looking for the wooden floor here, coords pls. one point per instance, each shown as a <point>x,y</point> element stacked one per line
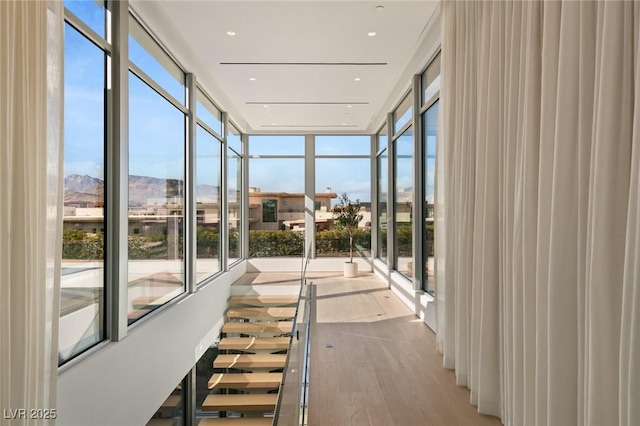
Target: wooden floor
<point>383,368</point>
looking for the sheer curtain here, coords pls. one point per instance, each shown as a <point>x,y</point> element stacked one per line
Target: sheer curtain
<point>539,289</point>
<point>31,194</point>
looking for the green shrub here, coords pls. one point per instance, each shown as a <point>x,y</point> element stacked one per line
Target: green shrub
<point>275,243</point>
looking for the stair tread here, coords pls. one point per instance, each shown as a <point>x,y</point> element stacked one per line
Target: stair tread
<point>254,343</point>
<point>239,421</point>
<point>278,327</point>
<point>245,380</point>
<point>267,312</point>
<point>250,361</point>
<point>241,402</point>
<point>272,300</point>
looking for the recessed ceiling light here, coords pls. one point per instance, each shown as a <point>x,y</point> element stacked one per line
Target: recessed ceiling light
<point>349,106</point>
<point>357,79</point>
<point>252,78</point>
<point>371,33</point>
<point>344,124</point>
<point>231,33</point>
<point>273,124</point>
<point>266,106</point>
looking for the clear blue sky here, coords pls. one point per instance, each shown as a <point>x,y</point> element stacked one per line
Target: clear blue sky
<point>157,128</point>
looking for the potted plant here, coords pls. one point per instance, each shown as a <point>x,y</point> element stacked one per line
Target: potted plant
<point>347,216</point>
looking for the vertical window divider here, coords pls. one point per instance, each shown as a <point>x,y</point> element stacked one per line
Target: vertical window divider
<point>310,195</point>
<point>418,191</point>
<point>189,209</point>
<point>223,196</point>
<point>391,197</point>
<point>244,216</point>
<point>117,179</point>
<point>374,196</point>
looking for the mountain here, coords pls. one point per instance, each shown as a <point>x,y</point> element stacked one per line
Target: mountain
<point>89,191</point>
<point>83,190</point>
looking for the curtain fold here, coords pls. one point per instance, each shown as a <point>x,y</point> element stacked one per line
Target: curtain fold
<point>31,193</point>
<point>538,301</point>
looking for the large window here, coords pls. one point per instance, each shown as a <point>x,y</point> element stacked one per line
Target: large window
<point>208,183</point>
<point>234,193</point>
<point>403,209</point>
<point>276,196</point>
<point>430,83</point>
<point>82,293</point>
<point>403,113</point>
<point>343,166</point>
<point>156,177</point>
<point>382,159</point>
<point>430,127</point>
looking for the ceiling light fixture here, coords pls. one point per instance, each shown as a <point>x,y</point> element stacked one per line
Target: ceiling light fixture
<point>252,78</point>
<point>231,33</point>
<point>266,106</point>
<point>371,33</point>
<point>349,106</point>
<point>356,79</point>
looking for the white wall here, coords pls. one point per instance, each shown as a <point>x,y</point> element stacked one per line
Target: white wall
<point>123,383</point>
<point>420,302</point>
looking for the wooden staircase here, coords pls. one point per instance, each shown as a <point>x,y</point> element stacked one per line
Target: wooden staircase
<point>249,368</point>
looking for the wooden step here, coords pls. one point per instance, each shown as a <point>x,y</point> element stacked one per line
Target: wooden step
<point>245,381</point>
<point>258,328</point>
<point>237,421</point>
<point>252,361</point>
<point>262,313</point>
<point>241,402</point>
<point>254,343</point>
<point>263,300</point>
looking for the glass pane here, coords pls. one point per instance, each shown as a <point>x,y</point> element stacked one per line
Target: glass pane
<point>382,139</point>
<point>334,177</point>
<point>171,412</point>
<point>431,79</point>
<point>234,188</point>
<point>285,235</point>
<point>383,179</point>
<point>276,145</point>
<point>430,126</point>
<point>403,114</point>
<point>82,302</point>
<point>204,371</point>
<point>150,58</point>
<point>208,113</point>
<point>234,139</point>
<point>90,12</point>
<point>343,145</point>
<point>404,203</point>
<point>208,184</point>
<point>156,199</point>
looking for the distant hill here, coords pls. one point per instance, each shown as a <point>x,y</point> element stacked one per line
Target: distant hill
<point>88,190</point>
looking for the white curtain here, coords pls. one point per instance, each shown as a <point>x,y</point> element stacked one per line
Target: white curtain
<point>538,292</point>
<point>30,210</point>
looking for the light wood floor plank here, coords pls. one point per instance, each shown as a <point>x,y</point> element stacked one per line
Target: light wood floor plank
<point>383,368</point>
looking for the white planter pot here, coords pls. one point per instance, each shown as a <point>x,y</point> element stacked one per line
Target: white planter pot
<point>350,269</point>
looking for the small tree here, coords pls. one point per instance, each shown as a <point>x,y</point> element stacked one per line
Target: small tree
<point>347,216</point>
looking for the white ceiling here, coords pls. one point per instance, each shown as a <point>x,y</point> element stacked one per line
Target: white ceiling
<point>304,56</point>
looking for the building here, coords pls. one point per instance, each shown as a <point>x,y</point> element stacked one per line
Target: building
<point>528,171</point>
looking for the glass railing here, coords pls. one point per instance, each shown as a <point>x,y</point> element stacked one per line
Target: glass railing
<point>292,406</point>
